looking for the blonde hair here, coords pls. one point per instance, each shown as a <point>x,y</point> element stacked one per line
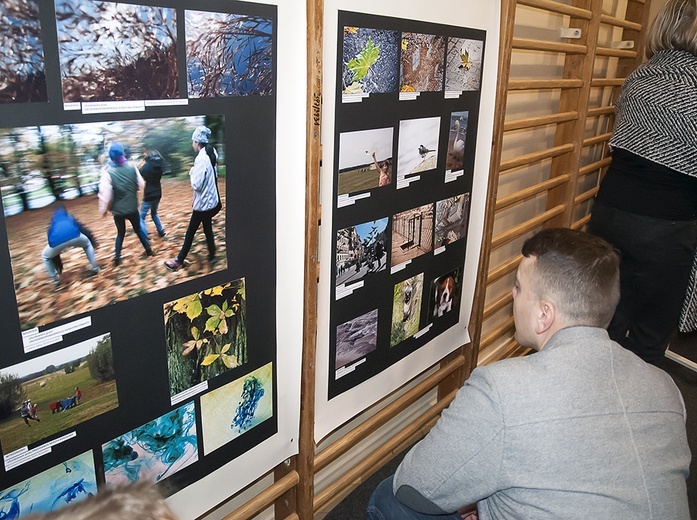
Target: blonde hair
<point>675,27</point>
<point>140,501</point>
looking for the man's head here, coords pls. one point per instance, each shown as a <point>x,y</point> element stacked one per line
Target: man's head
<point>566,278</point>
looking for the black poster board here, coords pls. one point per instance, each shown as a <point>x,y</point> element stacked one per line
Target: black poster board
<point>55,148</point>
<point>406,121</point>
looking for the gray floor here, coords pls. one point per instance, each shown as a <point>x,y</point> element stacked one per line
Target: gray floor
<point>353,506</point>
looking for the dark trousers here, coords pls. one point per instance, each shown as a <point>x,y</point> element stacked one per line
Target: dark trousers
<point>120,221</point>
<point>198,218</point>
<point>656,258</point>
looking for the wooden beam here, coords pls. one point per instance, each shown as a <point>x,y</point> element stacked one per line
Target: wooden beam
<point>548,46</point>
<point>313,158</point>
<point>366,467</point>
<point>529,193</point>
<point>531,158</point>
<point>557,7</point>
<point>533,122</point>
<point>525,227</point>
<point>504,269</point>
<point>543,84</point>
<point>264,499</point>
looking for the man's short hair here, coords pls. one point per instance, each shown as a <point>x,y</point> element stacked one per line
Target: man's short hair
<point>576,271</point>
<point>140,501</point>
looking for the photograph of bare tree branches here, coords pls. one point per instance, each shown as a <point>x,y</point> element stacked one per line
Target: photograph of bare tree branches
<point>228,54</point>
<point>116,52</point>
<point>22,77</point>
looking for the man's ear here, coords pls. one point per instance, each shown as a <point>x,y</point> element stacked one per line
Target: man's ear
<point>547,314</point>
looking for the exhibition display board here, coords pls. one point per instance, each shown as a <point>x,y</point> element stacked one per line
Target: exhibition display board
<point>408,104</point>
<point>115,367</point>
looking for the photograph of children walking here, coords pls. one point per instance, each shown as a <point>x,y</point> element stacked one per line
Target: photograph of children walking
<point>94,210</point>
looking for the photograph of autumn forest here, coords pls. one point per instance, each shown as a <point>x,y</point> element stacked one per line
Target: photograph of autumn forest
<point>45,169</point>
<point>116,52</point>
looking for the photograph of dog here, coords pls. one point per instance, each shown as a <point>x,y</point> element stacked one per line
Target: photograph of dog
<point>445,294</point>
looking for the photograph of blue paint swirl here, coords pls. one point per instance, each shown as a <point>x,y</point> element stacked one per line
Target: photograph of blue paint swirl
<point>153,451</point>
<point>236,408</point>
<point>65,483</point>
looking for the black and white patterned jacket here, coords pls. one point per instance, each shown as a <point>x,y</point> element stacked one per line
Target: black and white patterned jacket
<point>656,111</point>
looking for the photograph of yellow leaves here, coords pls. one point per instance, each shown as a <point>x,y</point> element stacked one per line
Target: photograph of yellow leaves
<point>206,334</point>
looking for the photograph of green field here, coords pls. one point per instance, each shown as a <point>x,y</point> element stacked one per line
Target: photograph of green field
<point>365,160</point>
<point>55,392</point>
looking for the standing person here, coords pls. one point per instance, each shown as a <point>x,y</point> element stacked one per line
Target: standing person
<point>151,169</point>
<point>78,395</point>
<point>379,251</point>
<point>63,232</point>
<point>206,205</point>
<point>647,203</point>
<point>384,168</point>
<point>582,428</point>
<point>118,192</point>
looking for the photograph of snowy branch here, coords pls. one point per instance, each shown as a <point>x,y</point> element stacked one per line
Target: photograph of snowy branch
<point>22,75</point>
<point>228,54</point>
<point>116,52</point>
<point>53,169</point>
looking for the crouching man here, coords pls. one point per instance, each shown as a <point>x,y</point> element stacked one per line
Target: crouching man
<point>580,429</point>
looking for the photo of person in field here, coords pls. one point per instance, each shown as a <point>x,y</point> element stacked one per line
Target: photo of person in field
<point>365,160</point>
<point>66,256</point>
<point>54,392</point>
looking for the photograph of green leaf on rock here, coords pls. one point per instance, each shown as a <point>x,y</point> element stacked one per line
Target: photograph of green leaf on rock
<point>371,61</point>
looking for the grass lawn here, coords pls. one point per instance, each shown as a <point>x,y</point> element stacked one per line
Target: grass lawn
<point>97,398</point>
<point>358,180</point>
